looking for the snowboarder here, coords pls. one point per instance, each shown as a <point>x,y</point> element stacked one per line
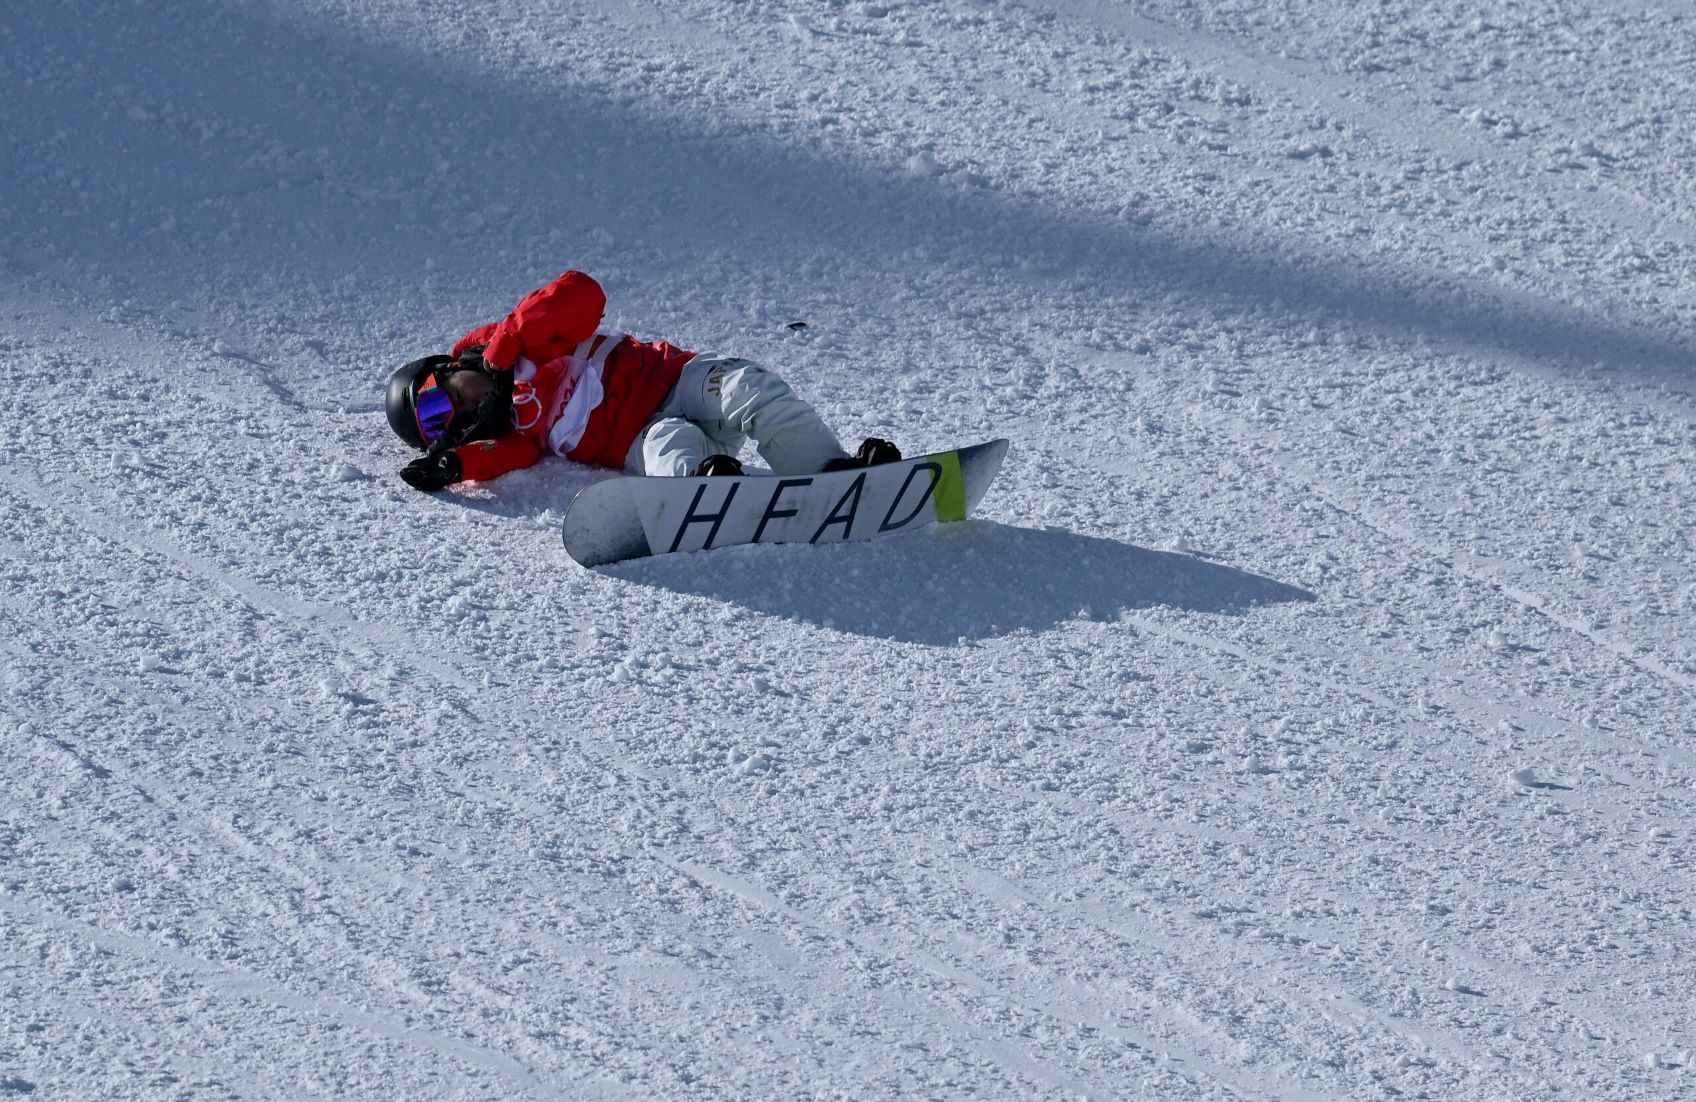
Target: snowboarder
<point>546,380</point>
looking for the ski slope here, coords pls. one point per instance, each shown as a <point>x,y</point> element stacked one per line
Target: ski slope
<point>1308,713</point>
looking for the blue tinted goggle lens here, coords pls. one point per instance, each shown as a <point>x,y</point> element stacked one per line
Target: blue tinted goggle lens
<point>434,410</point>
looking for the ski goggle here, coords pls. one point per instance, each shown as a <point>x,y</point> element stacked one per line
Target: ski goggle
<point>433,409</point>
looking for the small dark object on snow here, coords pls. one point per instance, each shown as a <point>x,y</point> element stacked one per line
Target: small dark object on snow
<point>797,325</point>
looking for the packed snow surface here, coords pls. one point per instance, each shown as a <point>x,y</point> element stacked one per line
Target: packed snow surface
<point>1309,712</point>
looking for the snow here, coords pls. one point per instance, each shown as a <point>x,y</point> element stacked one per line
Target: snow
<point>1307,712</point>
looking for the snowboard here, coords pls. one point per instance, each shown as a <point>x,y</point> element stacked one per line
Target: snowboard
<point>634,516</point>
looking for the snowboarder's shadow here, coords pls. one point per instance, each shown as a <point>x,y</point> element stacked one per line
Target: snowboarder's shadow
<point>971,580</point>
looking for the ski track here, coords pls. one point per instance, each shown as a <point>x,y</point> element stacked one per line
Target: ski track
<point>1372,782</point>
<point>337,631</point>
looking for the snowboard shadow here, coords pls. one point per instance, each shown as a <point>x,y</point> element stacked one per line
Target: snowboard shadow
<point>972,580</point>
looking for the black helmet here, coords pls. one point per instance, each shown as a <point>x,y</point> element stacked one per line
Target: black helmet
<point>402,400</point>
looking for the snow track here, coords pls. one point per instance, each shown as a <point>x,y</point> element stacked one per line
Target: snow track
<point>1307,715</point>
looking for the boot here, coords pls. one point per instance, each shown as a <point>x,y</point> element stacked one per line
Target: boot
<point>873,452</point>
<point>719,465</point>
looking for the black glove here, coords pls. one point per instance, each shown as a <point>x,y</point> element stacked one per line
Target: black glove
<point>433,472</point>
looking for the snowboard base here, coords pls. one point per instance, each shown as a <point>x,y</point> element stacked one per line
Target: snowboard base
<point>634,516</point>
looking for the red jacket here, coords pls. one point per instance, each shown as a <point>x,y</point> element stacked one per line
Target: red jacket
<point>550,343</point>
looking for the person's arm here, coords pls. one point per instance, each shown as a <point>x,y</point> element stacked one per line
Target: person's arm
<point>474,462</point>
<point>551,322</point>
<point>486,459</point>
<point>477,338</point>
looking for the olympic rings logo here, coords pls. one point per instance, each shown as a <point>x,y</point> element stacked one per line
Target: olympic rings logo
<point>526,407</point>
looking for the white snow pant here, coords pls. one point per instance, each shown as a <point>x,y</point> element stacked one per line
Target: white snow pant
<point>718,404</point>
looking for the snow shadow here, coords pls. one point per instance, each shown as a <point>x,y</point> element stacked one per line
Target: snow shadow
<point>240,152</point>
<point>972,580</point>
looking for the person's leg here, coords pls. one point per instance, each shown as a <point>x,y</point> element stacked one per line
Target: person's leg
<point>732,398</point>
<point>669,446</point>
